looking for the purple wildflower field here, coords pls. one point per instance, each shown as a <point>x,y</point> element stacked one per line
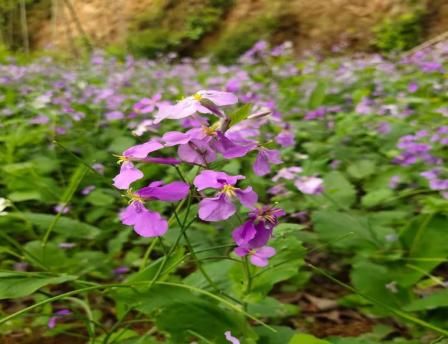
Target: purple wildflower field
<point>273,200</point>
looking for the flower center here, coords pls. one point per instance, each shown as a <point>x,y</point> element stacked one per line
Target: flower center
<point>209,131</point>
<point>197,96</point>
<point>229,190</point>
<point>121,159</point>
<point>133,197</point>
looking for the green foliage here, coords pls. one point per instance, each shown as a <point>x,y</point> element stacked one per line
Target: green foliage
<point>15,285</point>
<point>232,43</point>
<point>152,32</point>
<point>373,242</point>
<point>399,34</point>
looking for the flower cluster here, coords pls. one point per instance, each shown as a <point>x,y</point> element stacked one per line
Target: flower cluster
<point>310,185</point>
<point>210,135</point>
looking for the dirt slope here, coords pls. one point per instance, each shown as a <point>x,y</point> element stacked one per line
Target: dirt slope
<point>308,23</point>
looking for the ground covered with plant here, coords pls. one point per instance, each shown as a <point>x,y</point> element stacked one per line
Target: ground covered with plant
<point>273,200</point>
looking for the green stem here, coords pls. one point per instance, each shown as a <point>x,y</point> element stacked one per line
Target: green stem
<point>248,279</point>
<point>194,256</point>
<point>146,255</point>
<point>89,315</point>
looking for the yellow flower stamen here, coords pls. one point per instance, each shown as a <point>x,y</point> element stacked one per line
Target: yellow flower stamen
<point>121,158</point>
<point>209,131</point>
<point>197,96</point>
<point>229,190</point>
<point>133,197</point>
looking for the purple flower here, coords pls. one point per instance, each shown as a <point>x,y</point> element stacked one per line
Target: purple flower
<point>128,172</point>
<point>62,208</point>
<point>231,338</point>
<point>147,105</point>
<point>204,101</point>
<point>288,173</point>
<point>412,87</point>
<point>229,148</point>
<point>121,270</point>
<point>258,256</point>
<point>394,182</point>
<point>98,167</point>
<point>264,158</point>
<point>257,231</point>
<point>114,115</point>
<point>383,128</point>
<point>41,119</point>
<point>199,145</point>
<point>149,223</point>
<point>57,316</point>
<point>221,207</point>
<point>285,139</point>
<point>309,185</point>
<point>88,189</point>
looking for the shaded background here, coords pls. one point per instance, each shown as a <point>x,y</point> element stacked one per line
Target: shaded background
<point>222,28</point>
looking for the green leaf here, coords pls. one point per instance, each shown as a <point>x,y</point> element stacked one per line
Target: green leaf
<point>361,169</point>
<point>302,338</point>
<point>436,300</point>
<point>333,225</point>
<point>14,285</point>
<point>100,198</point>
<point>379,283</point>
<point>426,249</point>
<point>317,97</point>
<point>339,188</point>
<point>66,226</point>
<point>377,197</point>
<point>272,308</point>
<point>240,115</point>
<point>28,195</point>
<point>204,318</point>
<point>266,336</point>
<point>283,266</point>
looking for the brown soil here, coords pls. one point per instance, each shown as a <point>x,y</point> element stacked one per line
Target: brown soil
<point>310,24</point>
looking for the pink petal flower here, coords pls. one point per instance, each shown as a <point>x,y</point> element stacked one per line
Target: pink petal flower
<point>141,151</point>
<point>247,196</point>
<point>128,174</point>
<point>170,192</point>
<point>146,223</point>
<point>214,180</point>
<point>215,209</point>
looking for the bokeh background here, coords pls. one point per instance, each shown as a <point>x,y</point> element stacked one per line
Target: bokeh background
<point>222,28</point>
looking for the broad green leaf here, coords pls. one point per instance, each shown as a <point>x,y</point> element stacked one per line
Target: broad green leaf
<point>379,283</point>
<point>266,336</point>
<point>202,317</point>
<point>425,246</point>
<point>332,225</point>
<point>361,169</point>
<point>65,226</point>
<point>272,308</point>
<point>376,198</point>
<point>283,266</point>
<point>433,301</point>
<point>14,285</point>
<point>339,188</point>
<point>303,338</point>
<point>100,198</point>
